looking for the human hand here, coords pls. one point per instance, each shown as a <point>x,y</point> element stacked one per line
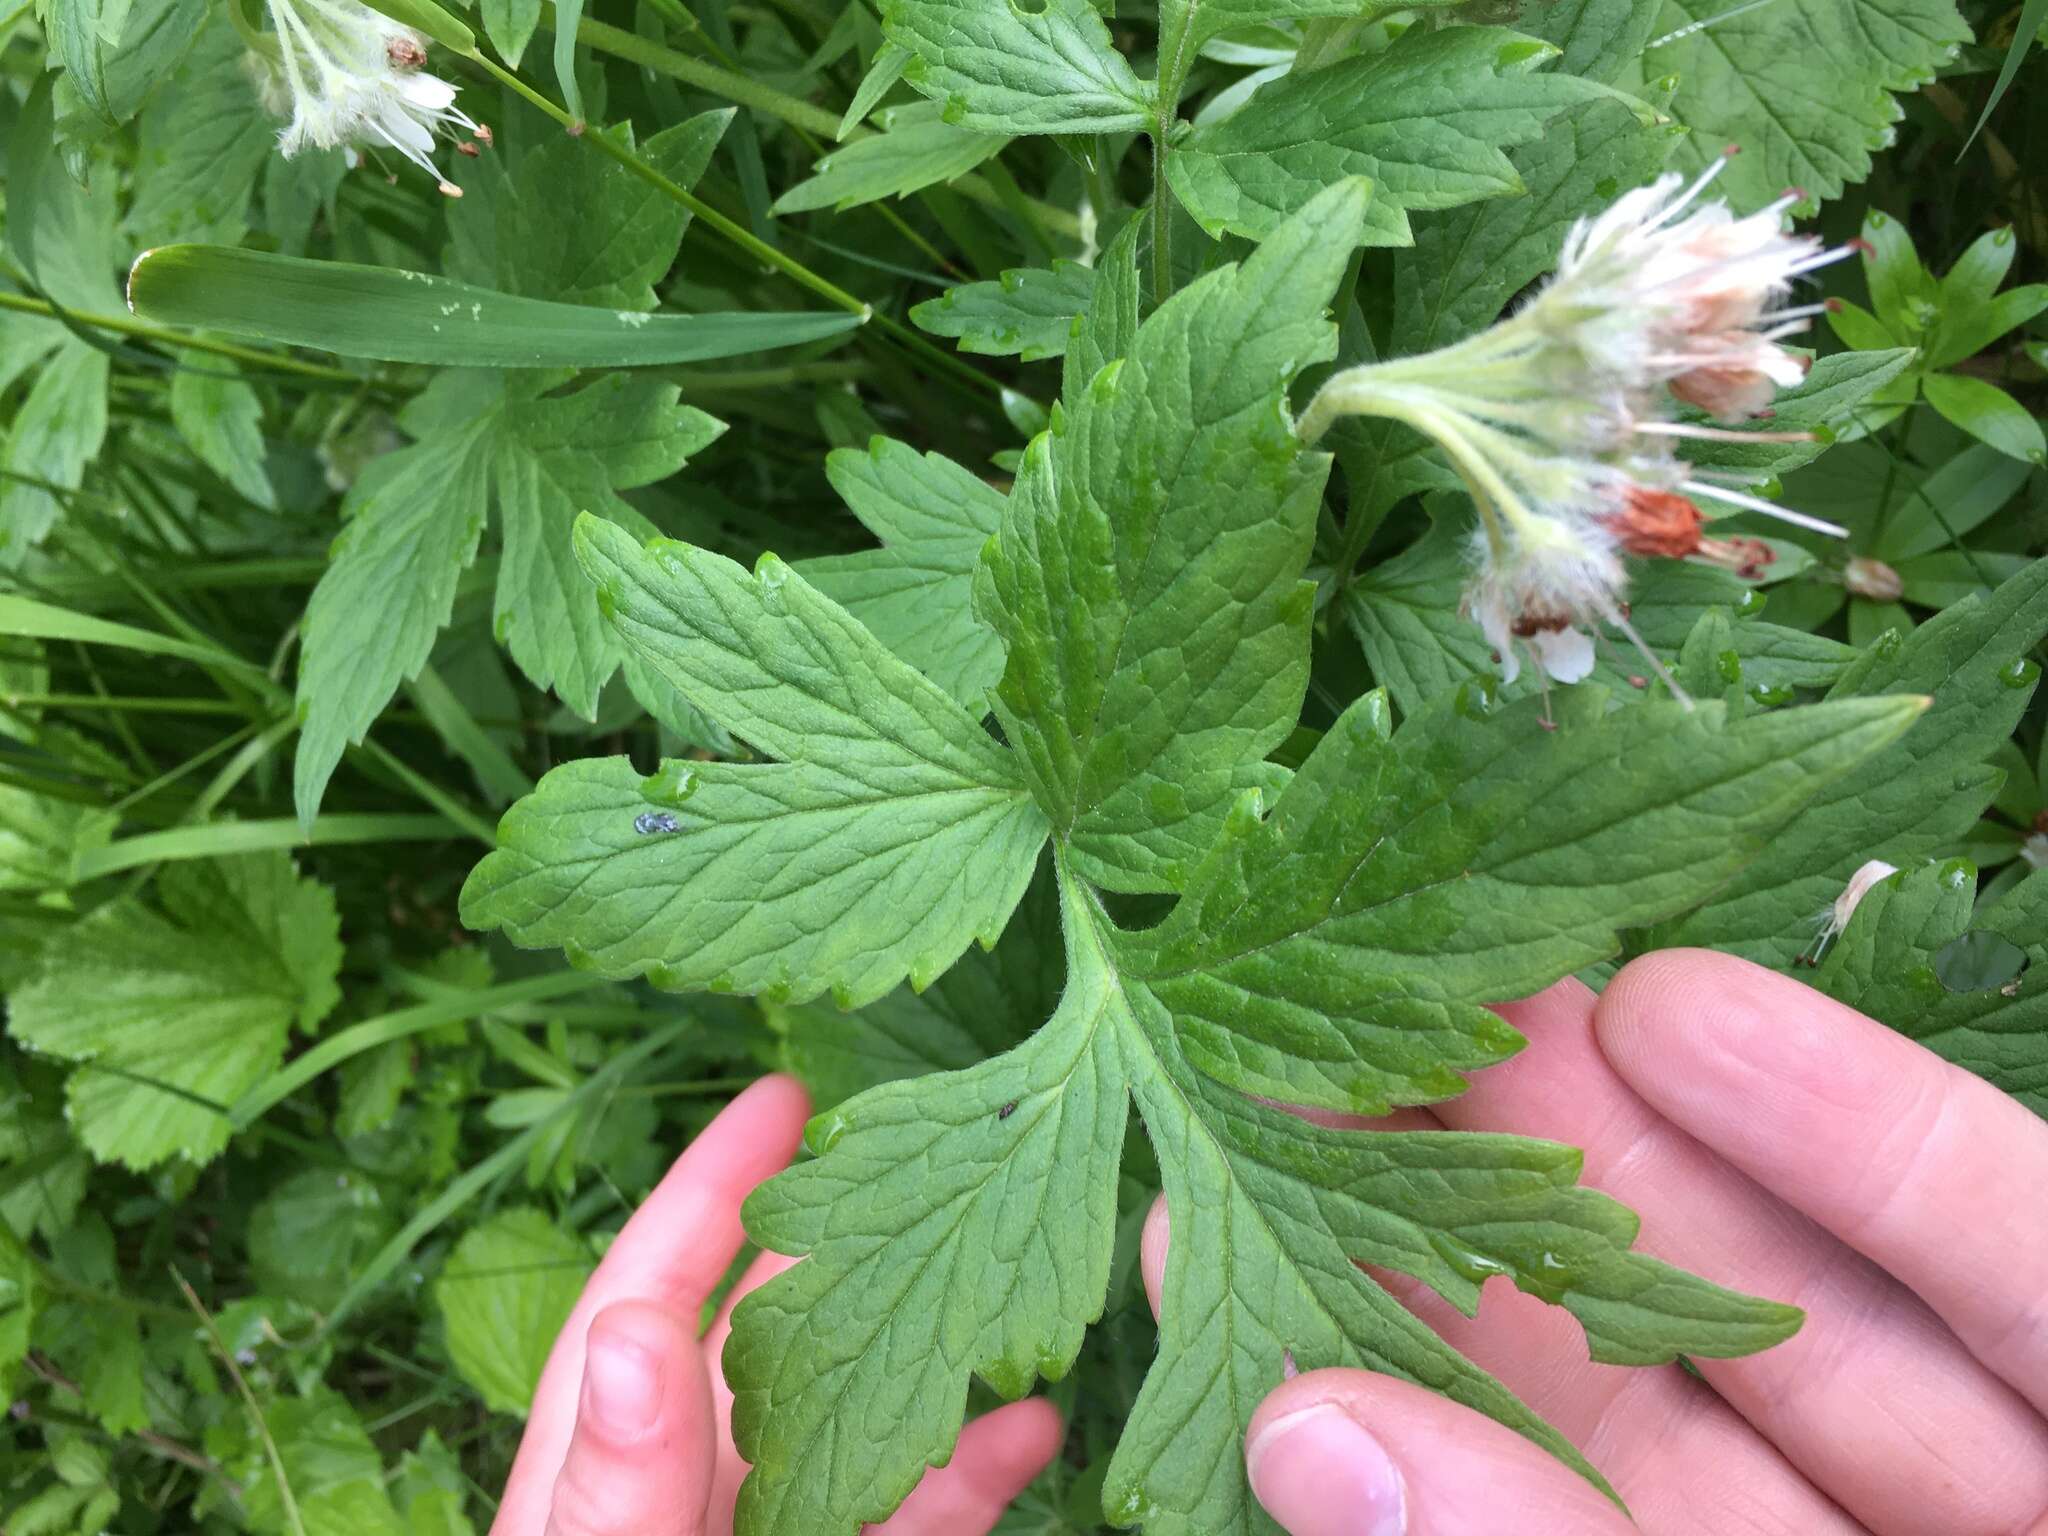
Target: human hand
<point>631,1428</point>
<point>1786,1146</point>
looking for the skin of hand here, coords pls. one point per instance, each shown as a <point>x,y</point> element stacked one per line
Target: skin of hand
<point>1781,1144</point>
<point>631,1428</point>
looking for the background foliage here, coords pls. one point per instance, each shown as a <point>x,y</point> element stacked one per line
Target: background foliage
<point>298,1172</point>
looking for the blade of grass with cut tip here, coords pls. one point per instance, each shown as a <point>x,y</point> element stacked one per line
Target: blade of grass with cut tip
<point>414,317</point>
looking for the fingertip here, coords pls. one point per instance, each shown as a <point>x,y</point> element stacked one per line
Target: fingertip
<point>776,1104</point>
<point>1013,1444</point>
<point>1152,1242</point>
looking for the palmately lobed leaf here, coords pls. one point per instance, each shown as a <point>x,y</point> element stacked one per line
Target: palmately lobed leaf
<point>1393,868</point>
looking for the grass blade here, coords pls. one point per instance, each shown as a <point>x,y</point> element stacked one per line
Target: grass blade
<point>414,317</point>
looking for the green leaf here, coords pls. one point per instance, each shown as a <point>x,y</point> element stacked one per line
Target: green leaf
<point>99,1346</point>
<point>17,1306</point>
<point>415,317</point>
<point>510,24</point>
<point>504,1294</point>
<point>84,36</point>
<point>1185,25</point>
<point>41,839</point>
<point>56,433</point>
<point>42,1173</point>
<point>894,830</point>
<point>309,1236</point>
<point>221,420</point>
<point>1963,333</point>
<point>1916,799</point>
<point>414,519</point>
<point>1428,121</point>
<point>1828,402</point>
<point>172,1012</point>
<point>1804,86</point>
<point>954,1223</point>
<point>1888,964</point>
<point>1155,660</point>
<point>915,593</point>
<point>203,139</point>
<point>2033,15</point>
<point>989,1001</point>
<point>1029,314</point>
<point>888,66</point>
<point>62,233</point>
<point>333,1470</point>
<point>916,148</point>
<point>999,68</point>
<point>962,1223</point>
<point>1988,414</point>
<point>568,16</point>
<point>1598,36</point>
<point>1292,967</point>
<point>584,230</point>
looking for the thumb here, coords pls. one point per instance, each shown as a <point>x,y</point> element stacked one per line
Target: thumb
<point>639,1461</point>
<point>1352,1453</point>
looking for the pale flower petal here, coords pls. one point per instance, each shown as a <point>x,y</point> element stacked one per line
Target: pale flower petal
<point>1566,655</point>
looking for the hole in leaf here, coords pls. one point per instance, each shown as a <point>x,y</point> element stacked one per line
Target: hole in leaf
<point>1978,962</point>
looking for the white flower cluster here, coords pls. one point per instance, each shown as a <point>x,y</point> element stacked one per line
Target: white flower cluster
<point>348,77</point>
<point>1558,418</point>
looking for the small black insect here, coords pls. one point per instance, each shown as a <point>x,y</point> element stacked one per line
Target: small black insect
<point>1007,1110</point>
<point>649,822</point>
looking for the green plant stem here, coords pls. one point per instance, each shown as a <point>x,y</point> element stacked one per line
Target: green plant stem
<point>137,705</point>
<point>285,1497</point>
<point>235,837</point>
<point>1162,221</point>
<point>128,325</point>
<point>745,238</point>
<point>739,89</point>
<point>487,1172</point>
<point>399,1025</point>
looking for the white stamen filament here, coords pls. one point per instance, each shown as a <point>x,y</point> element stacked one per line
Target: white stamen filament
<point>1768,508</point>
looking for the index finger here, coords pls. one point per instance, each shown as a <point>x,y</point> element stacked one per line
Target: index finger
<point>1927,1170</point>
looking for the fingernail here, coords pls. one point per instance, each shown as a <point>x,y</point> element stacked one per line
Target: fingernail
<point>1319,1473</point>
<point>622,1387</point>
